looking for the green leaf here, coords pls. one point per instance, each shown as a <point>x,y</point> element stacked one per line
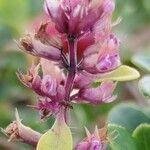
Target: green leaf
<point>57,138</point>
<point>144,86</point>
<point>8,80</point>
<point>142,60</point>
<point>35,7</point>
<point>6,114</point>
<point>142,136</point>
<point>122,73</point>
<point>128,116</point>
<point>120,139</point>
<point>146,5</point>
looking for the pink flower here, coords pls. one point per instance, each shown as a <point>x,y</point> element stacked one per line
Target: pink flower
<point>77,17</point>
<point>101,58</point>
<point>47,107</point>
<point>46,86</point>
<point>83,79</point>
<point>52,68</point>
<point>97,95</point>
<point>76,46</point>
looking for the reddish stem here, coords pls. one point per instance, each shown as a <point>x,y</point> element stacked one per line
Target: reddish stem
<point>71,73</point>
<point>72,69</point>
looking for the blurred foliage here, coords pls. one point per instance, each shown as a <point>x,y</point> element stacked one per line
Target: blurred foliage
<point>135,13</point>
<point>142,61</point>
<point>144,86</point>
<point>16,16</point>
<point>128,116</point>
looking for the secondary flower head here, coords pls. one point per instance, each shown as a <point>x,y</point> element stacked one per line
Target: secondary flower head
<point>92,142</point>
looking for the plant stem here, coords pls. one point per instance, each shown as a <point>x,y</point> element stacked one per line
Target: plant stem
<point>72,69</point>
<point>71,72</point>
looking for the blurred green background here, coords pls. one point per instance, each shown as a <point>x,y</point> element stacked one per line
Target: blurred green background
<point>20,16</point>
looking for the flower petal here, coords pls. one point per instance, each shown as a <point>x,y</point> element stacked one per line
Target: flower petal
<point>101,94</point>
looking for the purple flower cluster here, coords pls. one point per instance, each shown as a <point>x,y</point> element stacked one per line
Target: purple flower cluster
<point>76,46</point>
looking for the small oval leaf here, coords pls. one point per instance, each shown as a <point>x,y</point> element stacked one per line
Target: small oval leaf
<point>144,86</point>
<point>122,73</point>
<point>120,139</point>
<point>142,136</point>
<point>59,137</point>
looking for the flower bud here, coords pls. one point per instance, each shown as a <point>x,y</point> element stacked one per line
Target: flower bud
<point>31,79</point>
<point>17,130</point>
<point>49,85</point>
<point>48,35</point>
<point>34,47</point>
<point>77,17</point>
<point>92,142</point>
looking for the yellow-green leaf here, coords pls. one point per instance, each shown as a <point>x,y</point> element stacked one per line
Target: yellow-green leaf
<point>59,137</point>
<point>122,73</point>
